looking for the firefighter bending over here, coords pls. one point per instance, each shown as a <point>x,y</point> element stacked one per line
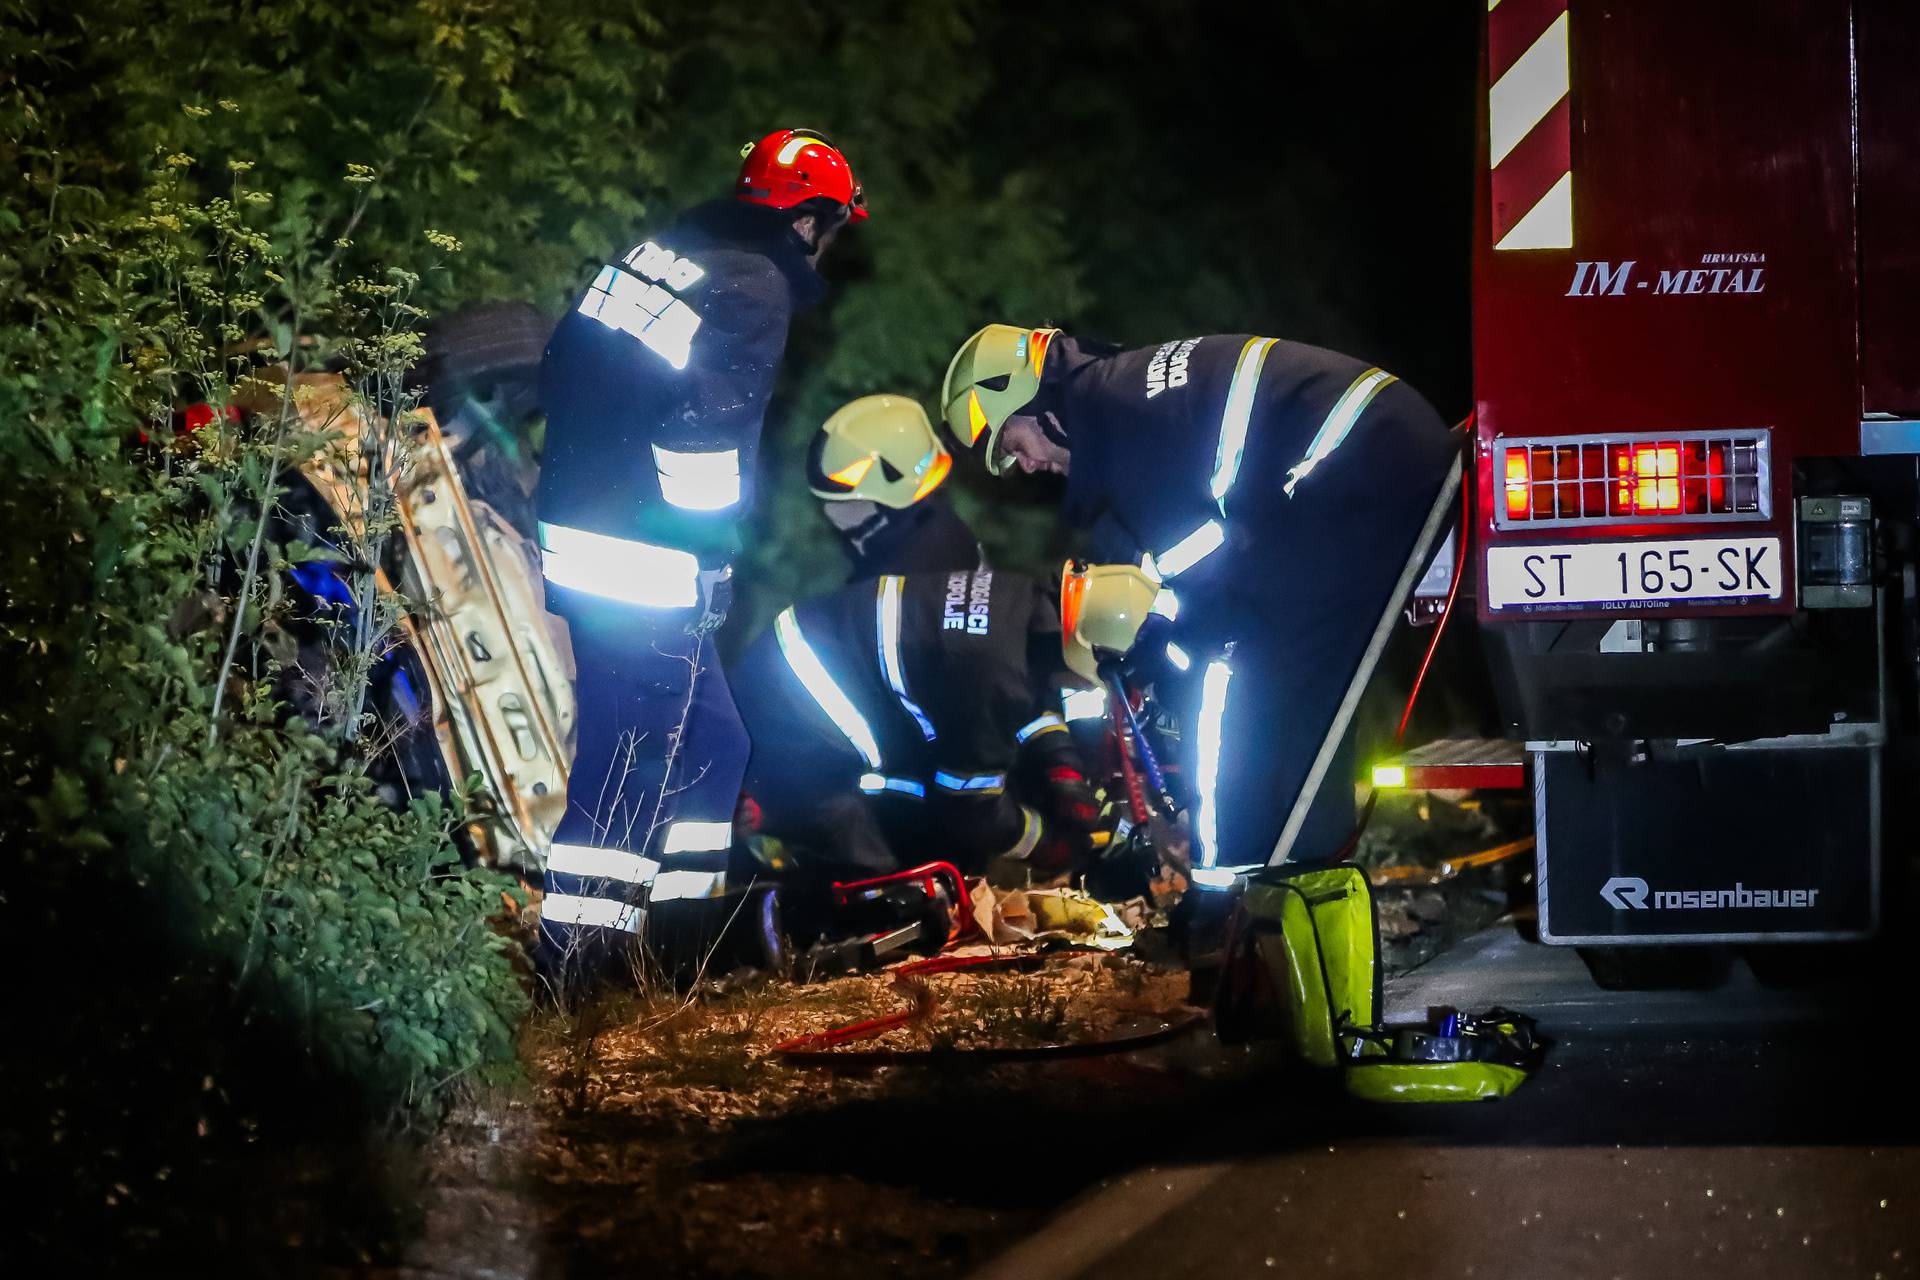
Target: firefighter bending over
<point>909,719</point>
<point>876,466</point>
<point>1273,493</point>
<point>654,385</point>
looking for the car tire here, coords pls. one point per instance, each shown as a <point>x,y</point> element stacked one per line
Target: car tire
<point>485,358</point>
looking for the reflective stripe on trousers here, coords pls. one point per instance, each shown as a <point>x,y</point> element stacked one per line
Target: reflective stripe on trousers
<point>1206,750</point>
<point>697,837</point>
<point>1339,422</point>
<point>625,570</point>
<point>1045,722</point>
<point>573,911</point>
<point>590,862</point>
<point>1083,704</point>
<point>874,783</point>
<point>1235,417</point>
<point>674,886</point>
<point>970,783</point>
<point>1030,827</point>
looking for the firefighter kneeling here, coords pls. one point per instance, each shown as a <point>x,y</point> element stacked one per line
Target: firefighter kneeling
<point>908,720</point>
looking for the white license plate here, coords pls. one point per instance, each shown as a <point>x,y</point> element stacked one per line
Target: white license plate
<point>1625,572</point>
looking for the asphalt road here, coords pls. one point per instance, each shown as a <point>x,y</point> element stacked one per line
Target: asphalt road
<point>1748,1132</point>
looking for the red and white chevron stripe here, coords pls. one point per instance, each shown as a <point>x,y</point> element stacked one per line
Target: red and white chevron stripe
<point>1529,124</point>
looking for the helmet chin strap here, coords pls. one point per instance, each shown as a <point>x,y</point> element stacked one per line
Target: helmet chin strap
<point>1050,428</point>
<point>849,514</point>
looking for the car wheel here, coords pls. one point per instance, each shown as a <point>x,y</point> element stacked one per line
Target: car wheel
<point>482,367</point>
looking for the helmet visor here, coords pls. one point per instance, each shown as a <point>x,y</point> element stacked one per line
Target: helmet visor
<point>936,472</point>
<point>1073,595</point>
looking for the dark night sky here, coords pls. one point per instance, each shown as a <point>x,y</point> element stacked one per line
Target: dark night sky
<point>1304,170</point>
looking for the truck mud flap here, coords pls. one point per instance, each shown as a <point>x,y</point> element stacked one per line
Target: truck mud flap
<point>1756,845</point>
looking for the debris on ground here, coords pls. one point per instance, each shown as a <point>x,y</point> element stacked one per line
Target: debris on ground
<point>972,999</point>
<point>1069,915</point>
<point>1443,865</point>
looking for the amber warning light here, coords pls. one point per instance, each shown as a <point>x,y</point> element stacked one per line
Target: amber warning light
<point>1608,481</point>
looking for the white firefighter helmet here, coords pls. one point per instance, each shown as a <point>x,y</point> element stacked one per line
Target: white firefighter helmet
<point>880,448</point>
<point>1102,607</point>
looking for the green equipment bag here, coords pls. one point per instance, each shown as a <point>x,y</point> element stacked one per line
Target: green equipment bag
<point>1309,938</point>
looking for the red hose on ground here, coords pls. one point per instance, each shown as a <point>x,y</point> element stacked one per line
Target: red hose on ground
<point>817,1049</point>
<point>873,1027</point>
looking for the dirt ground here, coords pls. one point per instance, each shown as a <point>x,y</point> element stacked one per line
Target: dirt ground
<point>663,1136</point>
<point>660,1134</point>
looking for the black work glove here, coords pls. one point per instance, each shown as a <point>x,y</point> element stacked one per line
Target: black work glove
<point>1147,660</point>
<point>716,597</point>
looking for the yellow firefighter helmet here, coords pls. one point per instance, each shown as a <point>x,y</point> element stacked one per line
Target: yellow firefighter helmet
<point>1101,609</point>
<point>880,448</point>
<point>995,373</point>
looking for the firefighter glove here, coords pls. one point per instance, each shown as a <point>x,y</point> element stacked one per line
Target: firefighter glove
<point>1071,801</point>
<point>716,596</point>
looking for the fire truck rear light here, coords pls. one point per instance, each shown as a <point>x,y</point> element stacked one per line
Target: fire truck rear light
<point>1656,479</point>
<point>1519,499</point>
<point>1621,479</point>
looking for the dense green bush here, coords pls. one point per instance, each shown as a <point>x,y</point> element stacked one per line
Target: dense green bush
<point>302,148</point>
<point>141,756</point>
<point>519,127</point>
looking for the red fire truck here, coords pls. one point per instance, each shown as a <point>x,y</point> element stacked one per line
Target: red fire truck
<point>1696,469</point>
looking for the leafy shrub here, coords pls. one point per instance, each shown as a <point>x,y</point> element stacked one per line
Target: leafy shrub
<point>146,744</point>
<point>520,127</point>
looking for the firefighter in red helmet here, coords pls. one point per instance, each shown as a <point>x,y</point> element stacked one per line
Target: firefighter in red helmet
<point>654,386</point>
<point>798,169</point>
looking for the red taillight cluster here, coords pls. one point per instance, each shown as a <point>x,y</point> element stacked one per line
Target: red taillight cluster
<point>1631,479</point>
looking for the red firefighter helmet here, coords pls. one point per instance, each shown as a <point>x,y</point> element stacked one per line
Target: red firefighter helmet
<point>791,166</point>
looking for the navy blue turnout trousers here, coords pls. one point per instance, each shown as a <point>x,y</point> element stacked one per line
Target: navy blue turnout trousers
<point>655,779</point>
<point>654,386</point>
